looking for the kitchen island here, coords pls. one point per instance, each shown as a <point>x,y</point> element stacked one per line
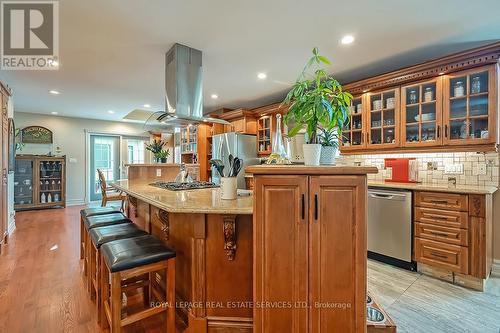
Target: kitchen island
<point>213,241</point>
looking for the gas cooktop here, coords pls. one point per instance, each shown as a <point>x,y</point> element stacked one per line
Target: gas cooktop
<point>173,186</point>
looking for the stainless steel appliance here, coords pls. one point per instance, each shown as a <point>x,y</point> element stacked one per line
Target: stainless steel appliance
<point>390,226</point>
<point>243,146</point>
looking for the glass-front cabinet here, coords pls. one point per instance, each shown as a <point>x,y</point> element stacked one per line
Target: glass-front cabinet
<point>264,128</point>
<point>353,134</point>
<point>421,113</point>
<point>39,182</point>
<point>470,106</point>
<point>383,119</point>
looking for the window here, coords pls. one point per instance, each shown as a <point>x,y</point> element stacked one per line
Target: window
<point>135,149</point>
<point>102,155</point>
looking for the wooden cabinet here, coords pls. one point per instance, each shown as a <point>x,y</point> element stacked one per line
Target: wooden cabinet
<point>470,106</point>
<point>421,112</point>
<point>383,119</point>
<point>189,144</point>
<point>264,134</point>
<point>451,233</point>
<point>39,182</point>
<point>309,252</point>
<point>241,121</point>
<point>4,164</point>
<point>354,133</point>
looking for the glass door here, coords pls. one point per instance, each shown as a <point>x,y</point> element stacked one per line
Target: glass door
<point>470,106</point>
<point>23,182</point>
<point>105,156</point>
<point>421,114</point>
<point>353,135</point>
<point>51,181</point>
<point>383,119</point>
<point>264,125</point>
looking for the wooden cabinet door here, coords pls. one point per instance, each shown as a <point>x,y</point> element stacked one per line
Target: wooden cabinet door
<point>421,114</point>
<point>280,279</point>
<point>337,274</point>
<point>354,135</point>
<point>383,119</point>
<point>470,106</point>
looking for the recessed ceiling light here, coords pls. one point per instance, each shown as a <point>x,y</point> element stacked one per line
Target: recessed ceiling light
<point>214,96</point>
<point>347,39</point>
<point>262,76</point>
<point>111,111</point>
<point>54,112</point>
<point>54,92</point>
<point>147,105</point>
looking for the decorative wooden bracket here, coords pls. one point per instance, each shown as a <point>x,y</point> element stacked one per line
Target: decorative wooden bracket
<point>229,227</point>
<point>133,202</point>
<point>165,225</point>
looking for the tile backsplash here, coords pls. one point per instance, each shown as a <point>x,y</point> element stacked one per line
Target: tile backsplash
<point>471,162</point>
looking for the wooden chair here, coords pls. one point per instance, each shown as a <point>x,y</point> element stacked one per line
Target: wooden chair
<point>109,193</point>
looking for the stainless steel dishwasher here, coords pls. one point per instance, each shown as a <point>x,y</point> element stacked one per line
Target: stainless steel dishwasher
<point>390,231</point>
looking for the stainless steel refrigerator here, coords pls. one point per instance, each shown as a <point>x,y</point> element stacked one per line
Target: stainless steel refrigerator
<point>243,146</point>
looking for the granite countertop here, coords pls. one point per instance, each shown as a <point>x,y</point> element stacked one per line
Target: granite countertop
<point>158,165</point>
<point>465,189</point>
<point>204,201</point>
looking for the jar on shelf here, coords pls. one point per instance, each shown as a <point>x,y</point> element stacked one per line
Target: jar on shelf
<point>475,87</point>
<point>428,95</point>
<point>459,89</point>
<point>413,96</point>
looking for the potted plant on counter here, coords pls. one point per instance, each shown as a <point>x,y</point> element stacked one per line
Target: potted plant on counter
<point>162,155</point>
<point>156,147</point>
<point>329,145</point>
<point>316,99</point>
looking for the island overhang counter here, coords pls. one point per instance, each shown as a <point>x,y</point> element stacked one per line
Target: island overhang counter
<point>213,241</point>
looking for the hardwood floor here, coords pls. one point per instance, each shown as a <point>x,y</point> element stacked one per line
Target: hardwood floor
<point>421,304</point>
<point>42,289</point>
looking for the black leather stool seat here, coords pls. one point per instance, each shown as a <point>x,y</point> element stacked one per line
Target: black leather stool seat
<point>105,220</point>
<point>110,233</point>
<point>98,211</point>
<point>134,252</point>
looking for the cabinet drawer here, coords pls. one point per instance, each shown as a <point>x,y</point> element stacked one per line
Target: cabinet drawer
<point>445,218</point>
<point>442,255</point>
<point>443,234</point>
<point>449,201</point>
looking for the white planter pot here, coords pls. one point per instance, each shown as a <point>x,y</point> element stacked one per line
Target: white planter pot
<point>312,154</point>
<point>328,155</point>
<point>228,188</point>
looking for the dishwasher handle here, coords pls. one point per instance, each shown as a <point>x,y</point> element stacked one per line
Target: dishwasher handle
<point>387,196</point>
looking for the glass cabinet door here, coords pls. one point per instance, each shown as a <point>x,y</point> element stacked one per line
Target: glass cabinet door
<point>264,135</point>
<point>469,105</point>
<point>51,181</point>
<point>383,118</point>
<point>23,182</point>
<point>353,135</point>
<point>421,113</point>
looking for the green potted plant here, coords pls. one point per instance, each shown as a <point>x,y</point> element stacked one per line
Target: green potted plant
<point>329,144</point>
<point>316,100</point>
<point>155,147</point>
<point>163,155</point>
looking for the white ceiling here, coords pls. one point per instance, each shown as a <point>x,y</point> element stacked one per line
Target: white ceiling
<point>112,52</point>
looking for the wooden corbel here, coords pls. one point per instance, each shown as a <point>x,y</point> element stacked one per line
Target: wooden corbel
<point>229,228</point>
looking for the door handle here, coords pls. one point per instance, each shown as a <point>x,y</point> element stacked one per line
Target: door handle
<point>439,131</point>
<point>446,131</point>
<point>316,207</point>
<point>438,255</point>
<point>303,207</point>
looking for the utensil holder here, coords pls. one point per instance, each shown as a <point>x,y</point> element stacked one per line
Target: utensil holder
<point>228,188</point>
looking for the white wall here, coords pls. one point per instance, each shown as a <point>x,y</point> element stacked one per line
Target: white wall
<point>70,135</point>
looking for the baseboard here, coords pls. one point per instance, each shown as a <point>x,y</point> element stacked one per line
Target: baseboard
<point>495,269</point>
<point>75,202</point>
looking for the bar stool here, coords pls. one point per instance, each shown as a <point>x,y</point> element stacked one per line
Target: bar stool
<point>97,221</point>
<point>128,258</point>
<point>98,237</point>
<point>87,212</point>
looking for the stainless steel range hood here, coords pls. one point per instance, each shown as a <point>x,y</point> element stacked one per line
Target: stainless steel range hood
<point>183,90</point>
